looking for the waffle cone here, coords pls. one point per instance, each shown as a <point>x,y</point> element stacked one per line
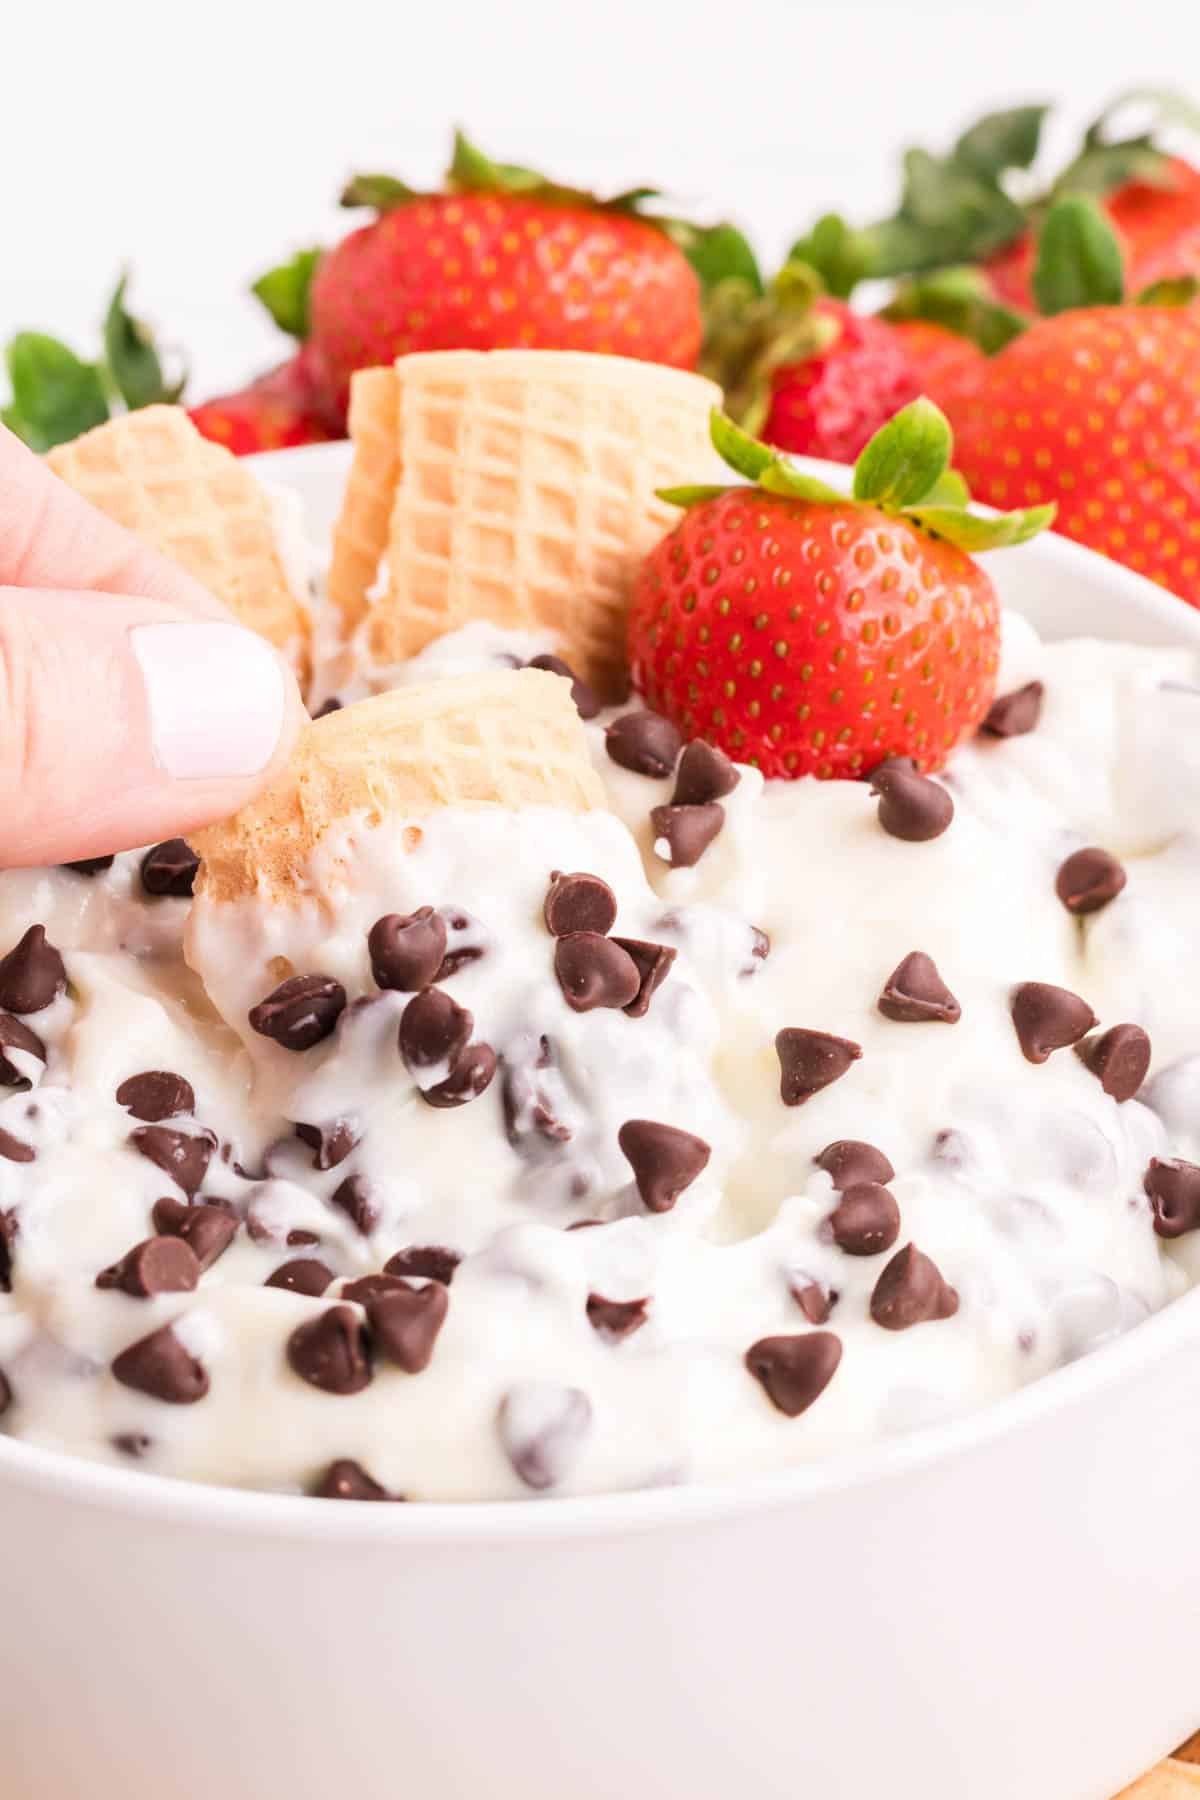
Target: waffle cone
<point>508,740</point>
<point>196,503</point>
<point>523,493</point>
<point>1169,1781</point>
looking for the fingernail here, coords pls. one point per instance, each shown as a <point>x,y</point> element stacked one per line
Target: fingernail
<point>216,698</point>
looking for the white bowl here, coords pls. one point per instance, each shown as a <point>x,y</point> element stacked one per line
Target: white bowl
<point>1001,1609</point>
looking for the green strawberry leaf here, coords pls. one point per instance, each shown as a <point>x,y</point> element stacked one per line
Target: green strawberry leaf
<point>1167,106</point>
<point>691,496</point>
<point>284,291</point>
<point>1079,260</point>
<point>736,447</point>
<point>962,218</point>
<point>1001,141</point>
<point>1100,168</point>
<point>718,253</point>
<point>960,300</point>
<point>383,193</point>
<point>1172,290</point>
<point>783,477</point>
<point>971,532</point>
<point>132,359</point>
<point>906,457</point>
<point>950,489</point>
<point>473,172</point>
<point>55,395</point>
<point>841,256</point>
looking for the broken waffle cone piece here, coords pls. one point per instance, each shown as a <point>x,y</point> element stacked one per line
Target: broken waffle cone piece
<point>523,493</point>
<point>510,740</point>
<point>193,501</point>
<point>1169,1781</point>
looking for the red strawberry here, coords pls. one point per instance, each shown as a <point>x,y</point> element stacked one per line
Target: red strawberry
<point>1097,407</point>
<point>944,365</point>
<point>277,412</point>
<point>812,634</point>
<point>504,260</point>
<point>830,403</point>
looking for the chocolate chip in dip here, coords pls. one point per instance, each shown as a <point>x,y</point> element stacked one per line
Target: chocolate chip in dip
<point>332,1351</point>
<point>911,1291</point>
<point>595,971</point>
<point>156,1095</point>
<point>849,1161</point>
<point>300,1012</point>
<point>346,1479</point>
<point>866,1219</point>
<point>407,949</point>
<point>704,774</point>
<point>1119,1058</point>
<point>163,1367</point>
<point>161,1265</point>
<point>21,1051</point>
<point>683,833</point>
<point>1015,714</point>
<point>169,870</point>
<point>911,806</point>
<point>795,1371</point>
<point>183,1155</point>
<point>32,975</point>
<point>1089,880</point>
<point>579,903</point>
<point>810,1061</point>
<point>1048,1018</point>
<point>664,1160</point>
<point>644,743</point>
<point>915,993</point>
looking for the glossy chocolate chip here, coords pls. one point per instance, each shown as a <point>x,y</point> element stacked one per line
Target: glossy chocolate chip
<point>16,1036</point>
<point>644,743</point>
<point>1088,880</point>
<point>911,1291</point>
<point>1012,715</point>
<point>208,1229</point>
<point>332,1352</point>
<point>815,1300</point>
<point>653,963</point>
<point>370,1287</point>
<point>161,1265</point>
<point>810,1061</point>
<point>405,1323</point>
<point>354,1198</point>
<point>163,1367</point>
<point>849,1161</point>
<point>1173,1188</point>
<point>434,1030</point>
<point>331,1144</point>
<point>464,941</point>
<point>704,774</point>
<point>866,1220</point>
<point>915,993</point>
<point>1119,1058</point>
<point>13,1150</point>
<point>346,1479</point>
<point>156,1095</point>
<point>300,1012</point>
<point>664,1160</point>
<point>170,869</point>
<point>616,1319</point>
<point>32,975</point>
<point>911,806</point>
<point>793,1371</point>
<point>585,700</point>
<point>430,1262</point>
<point>683,833</point>
<point>407,949</point>
<point>177,1153</point>
<point>579,902</point>
<point>471,1074</point>
<point>90,866</point>
<point>302,1275</point>
<point>594,971</point>
<point>542,1429</point>
<point>1048,1018</point>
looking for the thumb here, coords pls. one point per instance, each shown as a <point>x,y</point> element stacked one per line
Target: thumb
<point>124,721</point>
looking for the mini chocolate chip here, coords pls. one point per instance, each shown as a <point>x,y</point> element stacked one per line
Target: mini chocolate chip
<point>170,869</point>
<point>704,774</point>
<point>431,1262</point>
<point>303,1275</point>
<point>585,700</point>
<point>542,1428</point>
<point>434,1029</point>
<point>683,833</point>
<point>911,806</point>
<point>594,971</point>
<point>1048,1018</point>
<point>664,1160</point>
<point>653,963</point>
<point>910,1291</point>
<point>332,1352</point>
<point>579,903</point>
<point>644,743</point>
<point>332,1143</point>
<point>163,1367</point>
<point>1119,1058</point>
<point>915,993</point>
<point>616,1319</point>
<point>1012,715</point>
<point>9,1229</point>
<point>300,1012</point>
<point>207,1228</point>
<point>795,1371</point>
<point>156,1095</point>
<point>32,975</point>
<point>354,1198</point>
<point>1088,880</point>
<point>815,1300</point>
<point>346,1479</point>
<point>16,1036</point>
<point>13,1150</point>
<point>407,949</point>
<point>866,1220</point>
<point>1174,1192</point>
<point>810,1061</point>
<point>90,865</point>
<point>471,1073</point>
<point>132,1444</point>
<point>332,705</point>
<point>177,1153</point>
<point>849,1161</point>
<point>161,1265</point>
<point>405,1323</point>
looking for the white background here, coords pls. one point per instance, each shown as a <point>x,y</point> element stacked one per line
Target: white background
<point>201,144</point>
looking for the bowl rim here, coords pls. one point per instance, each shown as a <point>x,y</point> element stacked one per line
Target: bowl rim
<point>177,1501</point>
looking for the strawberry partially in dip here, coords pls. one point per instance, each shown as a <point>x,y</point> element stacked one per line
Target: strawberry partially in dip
<point>811,633</point>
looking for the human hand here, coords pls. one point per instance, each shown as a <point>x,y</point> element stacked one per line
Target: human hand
<point>132,707</point>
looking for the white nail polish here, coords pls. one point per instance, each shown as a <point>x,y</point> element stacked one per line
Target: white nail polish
<point>216,698</point>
